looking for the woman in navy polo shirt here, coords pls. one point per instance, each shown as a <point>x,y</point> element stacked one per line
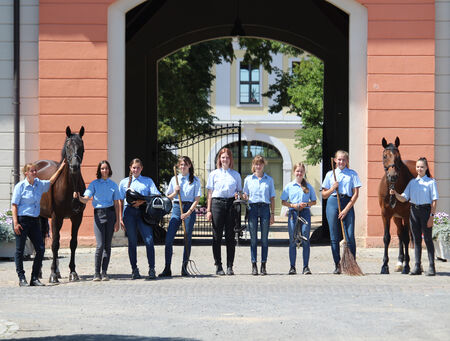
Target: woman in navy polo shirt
<point>348,185</point>
<point>105,194</point>
<point>131,219</point>
<point>423,195</point>
<point>299,196</point>
<point>190,190</point>
<point>259,190</point>
<point>26,206</point>
<point>223,186</point>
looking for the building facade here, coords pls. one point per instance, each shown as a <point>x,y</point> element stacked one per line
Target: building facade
<point>73,73</point>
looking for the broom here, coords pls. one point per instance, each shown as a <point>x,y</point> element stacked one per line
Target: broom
<point>348,262</point>
<point>189,266</point>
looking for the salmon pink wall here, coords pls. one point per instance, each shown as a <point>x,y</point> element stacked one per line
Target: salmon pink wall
<point>401,78</point>
<point>73,86</point>
<point>400,64</point>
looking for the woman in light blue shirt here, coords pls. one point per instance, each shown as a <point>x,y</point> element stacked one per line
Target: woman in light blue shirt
<point>299,196</point>
<point>223,186</point>
<point>131,219</point>
<point>190,191</point>
<point>423,195</point>
<point>348,185</point>
<point>259,190</point>
<point>26,206</point>
<point>105,194</point>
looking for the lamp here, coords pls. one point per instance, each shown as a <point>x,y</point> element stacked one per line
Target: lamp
<point>237,30</point>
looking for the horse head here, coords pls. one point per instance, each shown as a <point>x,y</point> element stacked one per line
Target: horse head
<point>73,150</point>
<point>391,160</point>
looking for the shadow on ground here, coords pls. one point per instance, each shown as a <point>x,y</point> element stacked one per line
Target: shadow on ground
<point>96,337</point>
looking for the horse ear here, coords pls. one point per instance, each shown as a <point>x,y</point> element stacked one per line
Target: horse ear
<point>384,143</point>
<point>81,133</point>
<point>397,142</point>
<point>68,131</point>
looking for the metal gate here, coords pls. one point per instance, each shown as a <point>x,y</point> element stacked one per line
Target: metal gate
<point>202,149</point>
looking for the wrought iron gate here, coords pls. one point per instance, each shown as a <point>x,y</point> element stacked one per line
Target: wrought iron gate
<point>202,149</point>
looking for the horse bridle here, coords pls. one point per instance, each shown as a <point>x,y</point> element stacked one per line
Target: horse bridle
<point>391,184</point>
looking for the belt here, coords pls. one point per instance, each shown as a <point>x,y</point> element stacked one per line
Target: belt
<point>223,199</point>
<point>100,209</point>
<point>342,196</point>
<point>183,202</point>
<point>421,206</point>
<point>258,204</point>
<point>28,217</point>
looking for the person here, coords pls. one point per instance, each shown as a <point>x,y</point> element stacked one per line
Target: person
<point>189,189</point>
<point>131,218</point>
<point>26,206</point>
<point>422,193</point>
<point>299,196</point>
<point>348,185</point>
<point>105,194</point>
<point>259,190</point>
<point>223,186</point>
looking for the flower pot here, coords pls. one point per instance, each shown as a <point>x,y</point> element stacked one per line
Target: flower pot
<point>441,250</point>
<point>8,249</point>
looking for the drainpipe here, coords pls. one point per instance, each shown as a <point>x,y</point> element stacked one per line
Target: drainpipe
<point>16,91</point>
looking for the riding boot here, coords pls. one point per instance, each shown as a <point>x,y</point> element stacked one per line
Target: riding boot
<point>254,269</point>
<point>431,270</point>
<point>219,270</point>
<point>417,270</point>
<point>263,269</point>
<point>166,272</point>
<point>184,271</point>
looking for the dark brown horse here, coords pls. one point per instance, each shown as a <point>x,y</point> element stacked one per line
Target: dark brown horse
<point>397,175</point>
<point>58,203</point>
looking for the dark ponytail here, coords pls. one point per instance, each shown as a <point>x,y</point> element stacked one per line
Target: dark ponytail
<point>188,161</point>
<point>424,160</point>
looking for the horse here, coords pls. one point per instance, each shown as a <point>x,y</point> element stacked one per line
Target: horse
<point>59,203</point>
<point>397,175</point>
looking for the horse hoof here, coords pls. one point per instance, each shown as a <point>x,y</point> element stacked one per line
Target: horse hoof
<point>384,270</point>
<point>399,268</point>
<point>73,277</point>
<point>406,270</point>
<point>53,278</point>
<point>58,274</point>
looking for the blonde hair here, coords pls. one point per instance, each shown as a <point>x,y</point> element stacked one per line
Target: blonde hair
<point>343,152</point>
<point>131,173</point>
<point>303,184</point>
<point>27,167</point>
<point>258,159</point>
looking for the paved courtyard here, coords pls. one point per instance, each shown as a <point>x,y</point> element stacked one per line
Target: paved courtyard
<point>273,307</point>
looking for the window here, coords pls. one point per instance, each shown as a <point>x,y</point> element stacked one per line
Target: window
<point>249,91</point>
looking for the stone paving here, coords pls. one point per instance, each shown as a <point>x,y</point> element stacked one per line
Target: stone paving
<point>272,307</point>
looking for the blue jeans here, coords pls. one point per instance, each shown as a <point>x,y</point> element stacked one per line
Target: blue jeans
<point>132,218</point>
<point>174,224</point>
<point>31,229</point>
<point>306,229</point>
<point>259,211</point>
<point>335,226</point>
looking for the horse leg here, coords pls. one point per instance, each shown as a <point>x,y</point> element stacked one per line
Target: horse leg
<point>406,239</point>
<point>76,222</point>
<point>386,240</point>
<point>56,227</point>
<point>401,255</point>
<point>43,223</point>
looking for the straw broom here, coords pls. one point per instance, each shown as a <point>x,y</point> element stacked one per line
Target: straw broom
<point>192,269</point>
<point>348,262</point>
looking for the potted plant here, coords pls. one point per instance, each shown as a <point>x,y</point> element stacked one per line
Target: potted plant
<point>8,237</point>
<point>441,235</point>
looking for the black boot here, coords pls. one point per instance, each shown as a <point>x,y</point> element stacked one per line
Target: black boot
<point>417,270</point>
<point>219,270</point>
<point>184,271</point>
<point>431,270</point>
<point>263,269</point>
<point>337,269</point>
<point>23,281</point>
<point>166,272</point>
<point>254,269</point>
<point>35,282</point>
<point>292,270</point>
